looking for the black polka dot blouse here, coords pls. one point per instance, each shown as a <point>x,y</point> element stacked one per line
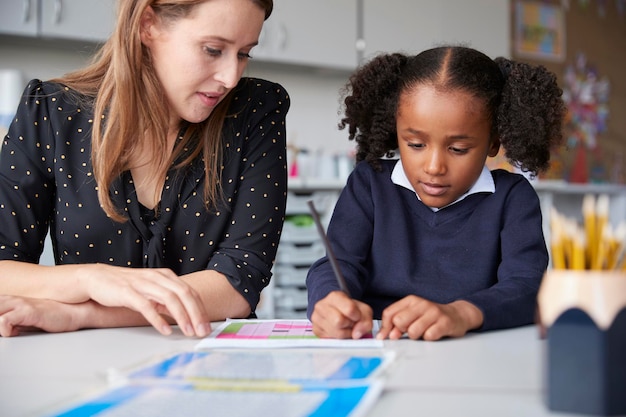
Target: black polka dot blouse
<point>47,182</point>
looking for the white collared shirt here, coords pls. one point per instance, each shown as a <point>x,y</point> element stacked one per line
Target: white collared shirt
<point>484,183</point>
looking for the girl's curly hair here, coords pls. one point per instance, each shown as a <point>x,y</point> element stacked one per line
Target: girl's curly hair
<point>523,101</point>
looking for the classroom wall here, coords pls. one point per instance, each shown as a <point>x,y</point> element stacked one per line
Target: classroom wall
<point>596,30</point>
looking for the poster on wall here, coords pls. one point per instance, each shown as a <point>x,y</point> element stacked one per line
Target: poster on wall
<point>539,30</point>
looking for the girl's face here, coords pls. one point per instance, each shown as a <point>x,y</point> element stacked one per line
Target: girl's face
<point>444,140</point>
<point>200,58</point>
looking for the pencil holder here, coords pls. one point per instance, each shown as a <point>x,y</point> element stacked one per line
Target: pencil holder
<point>584,314</point>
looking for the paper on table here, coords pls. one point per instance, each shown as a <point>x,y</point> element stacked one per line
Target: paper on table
<point>244,333</point>
<point>272,368</point>
<point>185,400</point>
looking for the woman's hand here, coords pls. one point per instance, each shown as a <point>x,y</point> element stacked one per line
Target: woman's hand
<point>339,316</point>
<point>19,314</point>
<point>151,292</point>
<point>419,318</point>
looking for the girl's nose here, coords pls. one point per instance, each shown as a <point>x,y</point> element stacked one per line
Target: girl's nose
<point>435,164</point>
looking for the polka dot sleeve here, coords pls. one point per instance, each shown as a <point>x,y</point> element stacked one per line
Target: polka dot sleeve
<point>256,188</point>
<point>26,181</point>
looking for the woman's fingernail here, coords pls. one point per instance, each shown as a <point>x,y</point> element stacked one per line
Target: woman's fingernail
<point>189,330</point>
<point>203,329</point>
<point>166,330</point>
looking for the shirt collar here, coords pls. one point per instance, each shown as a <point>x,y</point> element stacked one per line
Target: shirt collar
<point>484,183</point>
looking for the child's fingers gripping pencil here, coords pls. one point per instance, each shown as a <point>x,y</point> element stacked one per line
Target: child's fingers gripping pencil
<point>329,251</point>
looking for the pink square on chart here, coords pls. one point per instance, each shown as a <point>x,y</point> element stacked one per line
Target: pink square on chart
<point>264,330</point>
<point>245,330</point>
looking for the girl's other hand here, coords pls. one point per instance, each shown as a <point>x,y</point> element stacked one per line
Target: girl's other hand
<point>338,316</point>
<point>419,318</point>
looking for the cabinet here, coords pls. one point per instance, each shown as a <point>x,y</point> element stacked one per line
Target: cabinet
<point>83,20</point>
<point>300,246</point>
<point>412,26</point>
<point>316,33</point>
<point>19,17</point>
<point>321,33</point>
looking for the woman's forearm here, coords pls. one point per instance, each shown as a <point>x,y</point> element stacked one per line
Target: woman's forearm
<point>58,283</point>
<point>91,315</point>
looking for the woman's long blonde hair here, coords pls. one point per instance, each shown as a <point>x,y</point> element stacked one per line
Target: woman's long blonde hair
<point>129,104</point>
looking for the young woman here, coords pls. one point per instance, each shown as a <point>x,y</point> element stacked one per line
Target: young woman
<point>433,243</point>
<point>159,171</point>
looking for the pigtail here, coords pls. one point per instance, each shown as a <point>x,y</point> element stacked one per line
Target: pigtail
<point>530,115</point>
<point>370,104</point>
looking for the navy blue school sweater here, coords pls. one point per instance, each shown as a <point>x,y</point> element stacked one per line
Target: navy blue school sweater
<point>487,249</point>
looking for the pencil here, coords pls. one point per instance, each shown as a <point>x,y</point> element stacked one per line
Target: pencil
<point>578,250</point>
<point>620,251</point>
<point>558,240</point>
<point>603,251</point>
<point>343,286</point>
<point>591,227</point>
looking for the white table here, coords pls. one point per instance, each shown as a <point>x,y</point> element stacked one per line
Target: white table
<point>492,374</point>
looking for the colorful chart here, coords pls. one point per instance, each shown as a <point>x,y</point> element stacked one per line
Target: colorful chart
<point>267,330</point>
<point>276,334</point>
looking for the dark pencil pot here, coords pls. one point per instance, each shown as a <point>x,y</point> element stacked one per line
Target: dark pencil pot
<point>585,370</point>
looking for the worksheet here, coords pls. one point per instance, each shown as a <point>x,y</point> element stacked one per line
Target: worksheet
<point>184,400</point>
<point>269,367</point>
<point>220,379</point>
<point>247,333</point>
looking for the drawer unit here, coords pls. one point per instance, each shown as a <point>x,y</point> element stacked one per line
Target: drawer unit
<point>297,201</point>
<point>291,275</point>
<point>300,246</point>
<point>299,229</point>
<point>299,253</point>
<point>288,298</point>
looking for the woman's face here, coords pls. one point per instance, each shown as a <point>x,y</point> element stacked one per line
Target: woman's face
<point>444,140</point>
<point>200,58</point>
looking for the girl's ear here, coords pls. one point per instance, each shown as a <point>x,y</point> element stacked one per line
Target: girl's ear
<point>148,24</point>
<point>495,147</point>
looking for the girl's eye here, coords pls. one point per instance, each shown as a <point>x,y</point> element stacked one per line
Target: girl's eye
<point>416,145</point>
<point>459,151</point>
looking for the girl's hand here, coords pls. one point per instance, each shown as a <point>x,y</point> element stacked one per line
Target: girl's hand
<point>19,314</point>
<point>151,292</point>
<point>419,318</point>
<point>340,317</point>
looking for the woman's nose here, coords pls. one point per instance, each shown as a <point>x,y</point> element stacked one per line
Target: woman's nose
<point>230,72</point>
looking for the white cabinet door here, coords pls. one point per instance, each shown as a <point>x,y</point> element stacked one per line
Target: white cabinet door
<point>482,24</point>
<point>19,17</point>
<point>414,25</point>
<point>85,20</point>
<point>317,33</point>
